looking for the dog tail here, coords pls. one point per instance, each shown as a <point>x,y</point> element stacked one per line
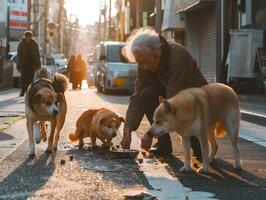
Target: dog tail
<point>219,129</point>
<point>60,83</point>
<point>43,72</point>
<point>73,137</point>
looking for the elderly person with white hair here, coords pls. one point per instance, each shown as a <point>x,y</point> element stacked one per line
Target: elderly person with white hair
<point>164,69</point>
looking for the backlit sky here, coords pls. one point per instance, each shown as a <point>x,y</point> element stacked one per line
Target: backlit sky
<point>86,10</point>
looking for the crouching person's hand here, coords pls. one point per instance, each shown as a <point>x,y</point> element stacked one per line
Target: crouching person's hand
<point>126,138</point>
<point>146,142</point>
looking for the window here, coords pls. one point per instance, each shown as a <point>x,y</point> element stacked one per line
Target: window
<point>114,54</point>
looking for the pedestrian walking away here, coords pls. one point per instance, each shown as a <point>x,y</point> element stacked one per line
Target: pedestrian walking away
<point>28,60</point>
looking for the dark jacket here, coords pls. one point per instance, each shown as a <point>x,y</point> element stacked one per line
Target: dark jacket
<point>28,56</point>
<point>178,70</point>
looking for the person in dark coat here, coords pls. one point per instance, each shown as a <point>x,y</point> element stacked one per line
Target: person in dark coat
<point>28,60</point>
<point>164,69</point>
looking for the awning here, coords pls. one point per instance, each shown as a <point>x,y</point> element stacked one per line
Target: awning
<point>170,19</point>
<point>189,5</point>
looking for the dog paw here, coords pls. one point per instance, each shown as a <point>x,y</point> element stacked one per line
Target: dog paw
<point>32,155</point>
<point>31,149</point>
<point>37,140</point>
<point>184,169</point>
<point>81,145</point>
<point>37,133</point>
<point>48,150</point>
<point>202,170</point>
<point>238,165</point>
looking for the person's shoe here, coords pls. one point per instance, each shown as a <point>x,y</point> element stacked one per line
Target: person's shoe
<point>195,145</point>
<point>161,152</point>
<point>21,94</point>
<point>163,148</point>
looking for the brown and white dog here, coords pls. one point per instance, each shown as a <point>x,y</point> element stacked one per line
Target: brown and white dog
<point>97,123</point>
<point>45,101</point>
<point>201,112</point>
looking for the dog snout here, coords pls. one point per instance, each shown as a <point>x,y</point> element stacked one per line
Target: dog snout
<point>55,112</point>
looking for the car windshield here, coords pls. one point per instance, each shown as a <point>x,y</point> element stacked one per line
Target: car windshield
<point>50,61</point>
<point>114,54</point>
<point>58,56</point>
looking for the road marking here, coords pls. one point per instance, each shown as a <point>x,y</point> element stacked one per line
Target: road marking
<point>17,140</point>
<point>164,185</point>
<point>253,133</point>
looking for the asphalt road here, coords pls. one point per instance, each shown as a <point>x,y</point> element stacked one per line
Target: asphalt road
<point>99,175</point>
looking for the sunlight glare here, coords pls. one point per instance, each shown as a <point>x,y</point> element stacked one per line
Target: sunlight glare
<point>86,10</point>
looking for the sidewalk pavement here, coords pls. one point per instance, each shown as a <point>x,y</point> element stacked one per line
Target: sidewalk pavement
<point>253,108</point>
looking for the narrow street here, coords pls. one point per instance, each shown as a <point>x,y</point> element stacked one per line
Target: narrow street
<point>206,58</point>
<point>98,175</point>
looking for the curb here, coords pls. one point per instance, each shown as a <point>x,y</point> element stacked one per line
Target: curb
<point>253,98</point>
<point>253,118</point>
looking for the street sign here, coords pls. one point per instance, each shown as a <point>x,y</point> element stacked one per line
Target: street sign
<point>18,13</point>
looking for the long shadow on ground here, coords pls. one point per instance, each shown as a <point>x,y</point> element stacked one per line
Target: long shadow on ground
<point>28,177</point>
<point>222,180</point>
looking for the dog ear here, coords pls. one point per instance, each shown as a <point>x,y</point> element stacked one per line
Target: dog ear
<point>161,99</point>
<point>167,107</point>
<point>37,98</point>
<point>60,97</point>
<point>122,119</point>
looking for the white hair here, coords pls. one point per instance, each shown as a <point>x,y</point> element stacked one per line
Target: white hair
<point>142,41</point>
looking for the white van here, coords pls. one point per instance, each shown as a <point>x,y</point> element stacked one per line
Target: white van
<point>114,72</point>
<point>12,57</point>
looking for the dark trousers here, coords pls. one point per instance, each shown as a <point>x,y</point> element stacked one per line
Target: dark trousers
<point>26,80</point>
<point>149,99</point>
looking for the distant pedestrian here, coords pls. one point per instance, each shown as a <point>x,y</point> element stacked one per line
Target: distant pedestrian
<point>28,60</point>
<point>70,69</point>
<point>80,70</point>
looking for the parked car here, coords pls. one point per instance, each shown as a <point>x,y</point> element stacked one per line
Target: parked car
<point>12,57</point>
<point>91,73</point>
<point>114,72</point>
<point>60,59</point>
<point>50,63</point>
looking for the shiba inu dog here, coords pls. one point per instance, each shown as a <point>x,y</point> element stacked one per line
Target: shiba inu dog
<point>45,101</point>
<point>96,123</point>
<point>201,112</point>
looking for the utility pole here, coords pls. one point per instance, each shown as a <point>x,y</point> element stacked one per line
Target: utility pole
<point>29,14</point>
<point>46,14</point>
<point>105,24</point>
<point>110,20</point>
<point>60,24</point>
<point>138,14</point>
<point>100,21</point>
<point>7,28</point>
<point>158,16</point>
